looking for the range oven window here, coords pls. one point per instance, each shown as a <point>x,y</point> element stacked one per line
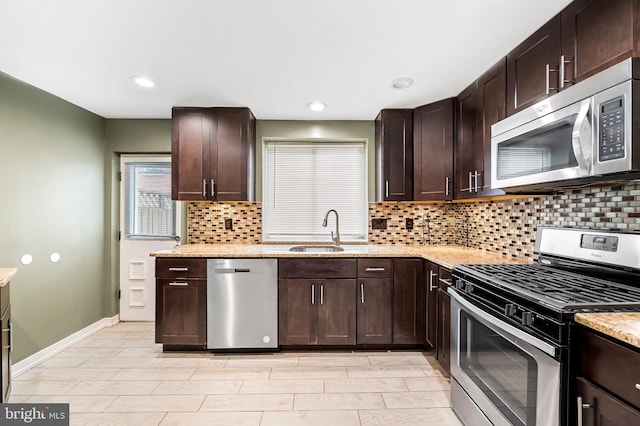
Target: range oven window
<point>505,373</point>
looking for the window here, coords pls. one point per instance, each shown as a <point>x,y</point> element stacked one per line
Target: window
<point>149,210</point>
<point>305,179</point>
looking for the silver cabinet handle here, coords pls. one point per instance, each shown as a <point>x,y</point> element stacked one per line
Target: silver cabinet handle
<point>475,178</point>
<point>638,386</point>
<point>470,184</point>
<point>204,188</point>
<point>374,269</point>
<point>431,286</point>
<point>445,281</point>
<point>180,269</point>
<point>386,188</point>
<point>362,294</point>
<point>313,294</point>
<point>581,407</point>
<point>322,294</point>
<point>563,71</point>
<point>179,284</point>
<point>446,185</point>
<point>548,87</point>
<point>213,188</point>
<point>10,331</point>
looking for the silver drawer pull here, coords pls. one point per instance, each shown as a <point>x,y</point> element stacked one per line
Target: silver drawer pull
<point>638,386</point>
<point>581,406</point>
<point>374,269</point>
<point>445,281</point>
<point>179,269</point>
<point>179,284</point>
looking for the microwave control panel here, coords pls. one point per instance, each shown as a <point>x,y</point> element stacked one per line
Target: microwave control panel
<point>611,134</point>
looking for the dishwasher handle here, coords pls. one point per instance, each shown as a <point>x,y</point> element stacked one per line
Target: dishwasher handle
<point>231,270</point>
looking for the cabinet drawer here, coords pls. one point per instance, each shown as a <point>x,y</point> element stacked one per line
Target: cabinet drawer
<point>317,268</point>
<point>604,408</point>
<point>374,268</point>
<point>4,298</point>
<point>612,366</point>
<point>181,267</point>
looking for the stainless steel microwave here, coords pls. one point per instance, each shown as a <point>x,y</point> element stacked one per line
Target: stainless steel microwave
<point>585,133</point>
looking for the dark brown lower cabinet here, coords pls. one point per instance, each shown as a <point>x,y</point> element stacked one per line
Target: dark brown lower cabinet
<point>600,408</point>
<point>408,301</point>
<point>181,312</point>
<point>431,270</point>
<point>317,312</point>
<point>374,311</point>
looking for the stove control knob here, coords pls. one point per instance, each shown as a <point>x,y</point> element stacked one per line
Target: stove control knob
<point>460,284</point>
<point>510,309</point>
<point>527,318</point>
<point>468,288</point>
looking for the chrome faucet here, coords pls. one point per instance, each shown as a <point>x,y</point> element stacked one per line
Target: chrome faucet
<point>335,239</point>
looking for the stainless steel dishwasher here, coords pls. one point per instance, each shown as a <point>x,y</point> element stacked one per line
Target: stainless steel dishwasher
<point>242,304</point>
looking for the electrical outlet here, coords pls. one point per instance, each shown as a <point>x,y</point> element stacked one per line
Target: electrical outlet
<point>228,224</point>
<point>378,223</point>
<point>409,224</point>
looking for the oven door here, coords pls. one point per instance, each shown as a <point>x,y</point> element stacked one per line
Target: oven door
<point>501,374</point>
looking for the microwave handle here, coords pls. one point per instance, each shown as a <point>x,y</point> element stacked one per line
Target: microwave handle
<point>581,136</point>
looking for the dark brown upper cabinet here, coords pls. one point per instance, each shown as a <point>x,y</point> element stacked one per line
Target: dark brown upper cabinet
<point>597,34</point>
<point>212,154</point>
<point>394,155</point>
<point>533,67</point>
<point>468,155</point>
<point>587,37</point>
<point>433,151</point>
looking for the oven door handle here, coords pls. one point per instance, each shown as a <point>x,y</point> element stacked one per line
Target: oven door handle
<point>512,333</point>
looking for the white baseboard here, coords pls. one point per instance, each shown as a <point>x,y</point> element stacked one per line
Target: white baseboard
<point>48,352</point>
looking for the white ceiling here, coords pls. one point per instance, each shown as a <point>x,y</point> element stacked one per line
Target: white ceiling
<point>274,56</point>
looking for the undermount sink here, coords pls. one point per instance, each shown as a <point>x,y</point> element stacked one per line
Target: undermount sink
<point>316,249</point>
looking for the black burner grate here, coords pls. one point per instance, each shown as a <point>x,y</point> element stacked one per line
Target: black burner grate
<point>558,288</point>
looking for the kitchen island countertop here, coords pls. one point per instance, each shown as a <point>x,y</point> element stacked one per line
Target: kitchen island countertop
<point>6,274</point>
<point>623,326</point>
<point>446,256</point>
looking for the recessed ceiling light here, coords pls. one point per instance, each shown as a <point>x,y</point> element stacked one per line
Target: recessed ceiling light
<point>143,81</point>
<point>402,83</point>
<point>316,106</point>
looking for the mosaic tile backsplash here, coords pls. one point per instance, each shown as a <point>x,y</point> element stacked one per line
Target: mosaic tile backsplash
<point>504,226</point>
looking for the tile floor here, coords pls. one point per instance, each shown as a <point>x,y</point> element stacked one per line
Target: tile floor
<point>119,376</point>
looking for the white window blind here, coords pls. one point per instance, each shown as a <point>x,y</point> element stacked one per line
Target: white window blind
<point>304,180</point>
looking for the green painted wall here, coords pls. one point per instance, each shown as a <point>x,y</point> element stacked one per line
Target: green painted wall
<point>266,129</point>
<point>52,192</point>
<point>125,137</point>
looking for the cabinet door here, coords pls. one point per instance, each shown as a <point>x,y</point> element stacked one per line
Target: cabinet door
<point>5,356</point>
<point>181,310</point>
<point>190,136</point>
<point>297,312</point>
<point>336,312</point>
<point>468,155</point>
<point>444,331</point>
<point>231,174</point>
<point>432,304</point>
<point>492,100</point>
<point>374,311</point>
<point>527,78</point>
<point>604,409</point>
<point>408,301</point>
<point>433,151</point>
<point>595,35</point>
<point>394,155</point>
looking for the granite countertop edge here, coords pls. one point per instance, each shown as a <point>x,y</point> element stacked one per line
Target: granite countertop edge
<point>623,326</point>
<point>446,256</point>
<point>6,274</point>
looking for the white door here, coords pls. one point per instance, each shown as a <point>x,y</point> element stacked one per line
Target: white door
<point>149,221</point>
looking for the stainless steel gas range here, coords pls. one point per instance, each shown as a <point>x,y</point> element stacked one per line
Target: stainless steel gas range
<point>511,325</point>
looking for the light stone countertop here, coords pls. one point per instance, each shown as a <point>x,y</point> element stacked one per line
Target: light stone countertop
<point>6,274</point>
<point>446,256</point>
<point>624,326</point>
